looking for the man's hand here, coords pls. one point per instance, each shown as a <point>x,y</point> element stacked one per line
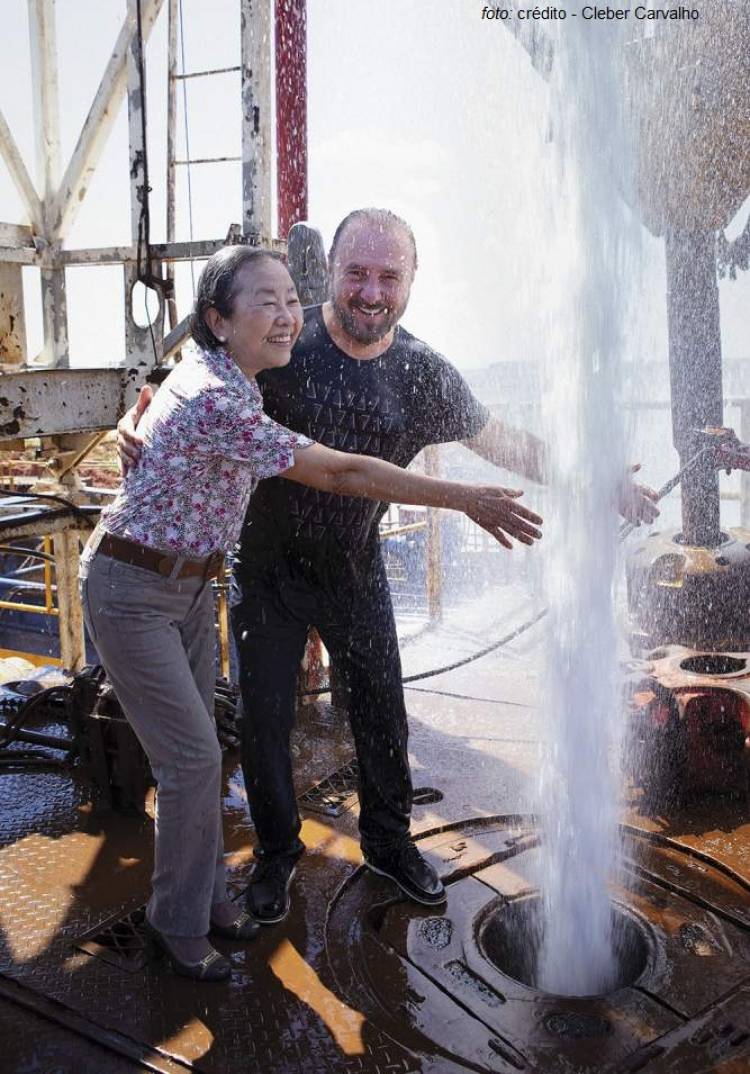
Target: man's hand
<point>498,512</point>
<point>129,443</point>
<point>636,503</point>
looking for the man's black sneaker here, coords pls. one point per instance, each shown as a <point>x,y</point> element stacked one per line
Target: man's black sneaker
<point>267,896</point>
<point>413,874</point>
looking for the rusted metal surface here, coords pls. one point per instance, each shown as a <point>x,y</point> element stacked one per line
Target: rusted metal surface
<point>45,95</point>
<point>690,724</point>
<point>12,315</point>
<point>685,594</point>
<point>41,522</point>
<point>35,1043</point>
<point>308,264</point>
<point>70,619</point>
<point>42,402</point>
<point>429,979</point>
<point>66,868</point>
<point>256,44</point>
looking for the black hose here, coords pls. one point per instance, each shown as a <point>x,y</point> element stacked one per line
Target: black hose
<point>459,663</point>
<point>72,507</point>
<point>625,530</point>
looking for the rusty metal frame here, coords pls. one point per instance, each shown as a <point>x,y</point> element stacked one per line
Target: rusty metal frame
<point>53,399</point>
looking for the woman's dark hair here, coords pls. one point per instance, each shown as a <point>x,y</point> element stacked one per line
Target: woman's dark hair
<point>217,287</point>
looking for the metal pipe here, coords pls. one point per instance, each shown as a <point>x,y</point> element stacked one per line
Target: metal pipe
<point>18,606</point>
<point>41,738</point>
<point>744,475</point>
<point>434,542</point>
<point>204,74</point>
<point>695,374</point>
<point>49,553</point>
<point>173,22</point>
<point>208,160</point>
<point>398,531</point>
<point>222,616</point>
<point>291,112</point>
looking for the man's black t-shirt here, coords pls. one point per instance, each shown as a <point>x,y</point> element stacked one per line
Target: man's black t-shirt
<point>390,407</point>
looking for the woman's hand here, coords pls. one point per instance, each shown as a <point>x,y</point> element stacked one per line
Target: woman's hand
<point>129,443</point>
<point>492,507</point>
<point>497,511</point>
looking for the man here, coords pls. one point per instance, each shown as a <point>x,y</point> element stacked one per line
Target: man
<point>359,382</point>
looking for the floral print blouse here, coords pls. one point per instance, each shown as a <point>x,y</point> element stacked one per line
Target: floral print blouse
<point>207,443</point>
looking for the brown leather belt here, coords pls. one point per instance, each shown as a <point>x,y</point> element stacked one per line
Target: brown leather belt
<point>140,555</point>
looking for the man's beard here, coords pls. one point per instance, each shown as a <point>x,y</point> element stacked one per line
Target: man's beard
<point>360,330</point>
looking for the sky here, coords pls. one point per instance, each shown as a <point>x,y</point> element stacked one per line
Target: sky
<point>421,107</point>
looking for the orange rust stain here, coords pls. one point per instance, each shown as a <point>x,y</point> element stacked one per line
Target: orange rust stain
<point>343,1023</point>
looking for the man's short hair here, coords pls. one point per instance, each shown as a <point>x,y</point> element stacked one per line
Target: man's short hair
<point>382,218</point>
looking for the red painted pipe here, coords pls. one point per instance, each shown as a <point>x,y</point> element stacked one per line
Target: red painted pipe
<point>291,112</point>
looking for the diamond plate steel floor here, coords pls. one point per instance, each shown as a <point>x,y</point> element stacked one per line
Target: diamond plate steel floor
<point>66,868</point>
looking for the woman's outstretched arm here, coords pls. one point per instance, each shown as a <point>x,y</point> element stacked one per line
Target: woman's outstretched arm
<point>492,507</point>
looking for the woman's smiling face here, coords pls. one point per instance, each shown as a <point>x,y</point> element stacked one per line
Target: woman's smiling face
<point>266,317</point>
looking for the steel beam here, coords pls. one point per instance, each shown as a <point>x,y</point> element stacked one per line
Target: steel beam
<point>143,344</point>
<point>70,614</point>
<point>99,122</point>
<point>45,96</point>
<point>55,351</point>
<point>12,316</point>
<point>136,65</point>
<point>21,178</point>
<point>173,22</point>
<point>43,402</point>
<point>14,255</point>
<point>47,130</point>
<point>198,250</point>
<point>44,523</point>
<point>256,37</point>
<point>176,339</point>
<point>12,235</point>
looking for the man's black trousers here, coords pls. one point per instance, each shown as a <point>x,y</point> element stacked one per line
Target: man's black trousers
<point>346,597</point>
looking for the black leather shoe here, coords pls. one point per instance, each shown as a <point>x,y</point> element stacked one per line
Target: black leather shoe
<point>413,874</point>
<point>267,897</point>
<point>213,967</point>
<point>242,928</point>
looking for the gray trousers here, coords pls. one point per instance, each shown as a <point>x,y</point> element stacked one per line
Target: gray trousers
<point>155,639</point>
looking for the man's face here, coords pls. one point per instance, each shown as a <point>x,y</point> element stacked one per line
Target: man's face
<point>371,277</point>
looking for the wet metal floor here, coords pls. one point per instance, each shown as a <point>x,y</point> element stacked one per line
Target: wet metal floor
<point>66,868</point>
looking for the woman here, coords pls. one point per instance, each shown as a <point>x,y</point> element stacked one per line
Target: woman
<point>146,571</point>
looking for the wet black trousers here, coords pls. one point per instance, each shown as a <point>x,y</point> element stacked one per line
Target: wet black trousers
<point>346,597</point>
